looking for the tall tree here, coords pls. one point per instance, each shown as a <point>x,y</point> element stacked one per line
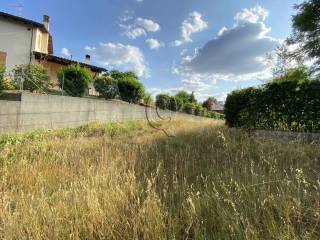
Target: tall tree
<point>306,25</point>
<point>208,104</point>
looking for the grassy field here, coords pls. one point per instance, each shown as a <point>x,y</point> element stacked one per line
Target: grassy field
<point>129,181</point>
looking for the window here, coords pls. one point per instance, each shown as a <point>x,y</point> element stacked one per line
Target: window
<point>3,58</point>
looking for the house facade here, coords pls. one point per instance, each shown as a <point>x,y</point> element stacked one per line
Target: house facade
<point>23,41</point>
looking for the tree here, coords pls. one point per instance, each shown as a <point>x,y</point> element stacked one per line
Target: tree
<point>130,89</point>
<point>33,77</point>
<point>74,80</point>
<point>115,74</point>
<point>283,61</point>
<point>163,101</point>
<point>183,96</point>
<point>186,97</point>
<point>192,98</point>
<point>175,104</point>
<point>198,110</point>
<point>189,108</point>
<point>209,103</point>
<point>306,26</point>
<point>107,87</point>
<point>147,99</point>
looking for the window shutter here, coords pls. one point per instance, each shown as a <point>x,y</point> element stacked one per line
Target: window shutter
<point>3,58</point>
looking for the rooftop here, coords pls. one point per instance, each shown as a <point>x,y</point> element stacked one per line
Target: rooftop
<point>65,61</point>
<point>25,21</point>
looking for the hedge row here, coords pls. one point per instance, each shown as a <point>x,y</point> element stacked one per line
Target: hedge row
<point>290,103</point>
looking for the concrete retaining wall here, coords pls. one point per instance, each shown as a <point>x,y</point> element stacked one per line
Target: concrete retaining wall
<point>289,136</point>
<point>40,111</point>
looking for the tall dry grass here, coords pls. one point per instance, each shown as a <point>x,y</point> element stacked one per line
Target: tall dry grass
<point>128,181</point>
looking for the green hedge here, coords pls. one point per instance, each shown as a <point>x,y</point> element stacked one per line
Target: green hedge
<point>291,103</point>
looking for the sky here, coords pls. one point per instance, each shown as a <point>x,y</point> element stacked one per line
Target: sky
<point>209,47</point>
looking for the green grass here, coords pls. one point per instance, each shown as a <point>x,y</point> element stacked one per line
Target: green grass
<point>129,181</point>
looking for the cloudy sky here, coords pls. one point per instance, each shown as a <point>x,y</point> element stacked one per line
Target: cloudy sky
<point>207,46</point>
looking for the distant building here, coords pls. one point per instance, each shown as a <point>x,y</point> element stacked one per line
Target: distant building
<point>218,107</point>
<point>24,41</point>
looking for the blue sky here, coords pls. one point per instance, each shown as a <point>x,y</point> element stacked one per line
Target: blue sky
<point>207,46</point>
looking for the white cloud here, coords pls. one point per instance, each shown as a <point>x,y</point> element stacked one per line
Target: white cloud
<point>65,52</point>
<point>194,83</point>
<point>148,24</point>
<point>252,15</point>
<point>153,43</point>
<point>138,27</point>
<point>133,33</point>
<point>117,55</point>
<point>222,30</point>
<point>236,54</point>
<point>193,24</point>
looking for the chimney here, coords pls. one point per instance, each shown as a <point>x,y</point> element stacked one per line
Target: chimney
<point>46,22</point>
<point>88,59</point>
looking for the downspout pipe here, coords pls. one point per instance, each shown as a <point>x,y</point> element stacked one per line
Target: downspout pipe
<point>31,43</point>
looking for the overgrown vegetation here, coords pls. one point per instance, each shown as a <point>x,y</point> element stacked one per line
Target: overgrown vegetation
<point>74,80</point>
<point>291,102</point>
<point>5,82</point>
<point>107,87</point>
<point>187,103</point>
<point>131,89</point>
<point>306,31</point>
<point>32,77</point>
<point>128,181</point>
<point>123,85</point>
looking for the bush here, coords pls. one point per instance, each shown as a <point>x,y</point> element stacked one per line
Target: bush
<point>107,87</point>
<point>216,115</point>
<point>189,108</point>
<point>163,101</point>
<point>130,89</point>
<point>34,76</point>
<point>198,110</point>
<point>175,104</point>
<point>291,102</point>
<point>2,71</point>
<point>147,99</point>
<point>6,83</point>
<point>75,80</point>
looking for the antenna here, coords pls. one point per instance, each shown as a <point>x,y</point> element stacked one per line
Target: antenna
<point>19,8</point>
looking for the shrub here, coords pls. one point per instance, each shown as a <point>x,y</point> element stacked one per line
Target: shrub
<point>216,115</point>
<point>198,110</point>
<point>34,76</point>
<point>291,102</point>
<point>189,108</point>
<point>130,89</point>
<point>2,71</point>
<point>107,87</point>
<point>163,101</point>
<point>147,99</point>
<point>6,83</point>
<point>75,80</point>
<point>175,104</point>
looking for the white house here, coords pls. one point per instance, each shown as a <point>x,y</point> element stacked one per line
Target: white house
<point>23,41</point>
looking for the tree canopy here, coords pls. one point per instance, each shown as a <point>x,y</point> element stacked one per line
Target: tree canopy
<point>306,25</point>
